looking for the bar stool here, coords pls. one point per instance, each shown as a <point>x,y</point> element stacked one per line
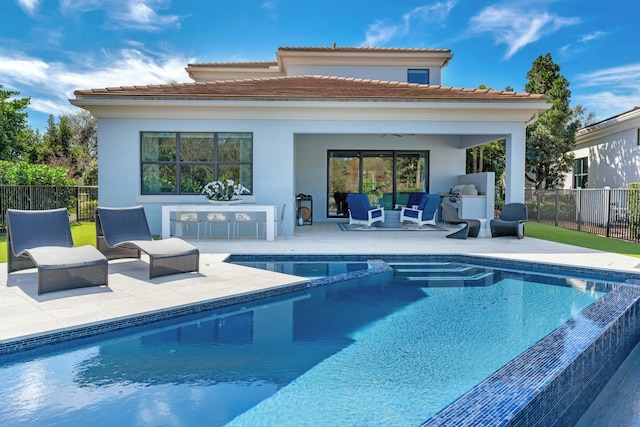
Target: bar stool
<point>187,219</point>
<point>244,217</point>
<point>217,218</point>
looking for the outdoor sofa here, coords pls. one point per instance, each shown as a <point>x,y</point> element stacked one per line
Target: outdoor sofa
<point>42,239</point>
<point>127,228</point>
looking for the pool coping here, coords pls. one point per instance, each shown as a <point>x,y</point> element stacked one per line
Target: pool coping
<point>545,383</point>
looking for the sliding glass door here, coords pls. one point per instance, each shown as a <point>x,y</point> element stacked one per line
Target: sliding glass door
<point>385,176</point>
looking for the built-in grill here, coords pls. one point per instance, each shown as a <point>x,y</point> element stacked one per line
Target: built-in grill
<point>462,190</point>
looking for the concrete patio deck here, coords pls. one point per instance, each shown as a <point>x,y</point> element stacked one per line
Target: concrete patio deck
<point>130,292</point>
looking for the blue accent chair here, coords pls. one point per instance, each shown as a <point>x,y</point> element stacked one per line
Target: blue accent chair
<point>425,213</point>
<point>361,212</point>
<point>414,200</point>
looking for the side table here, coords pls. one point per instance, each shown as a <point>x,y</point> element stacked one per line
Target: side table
<point>483,227</point>
<point>391,220</point>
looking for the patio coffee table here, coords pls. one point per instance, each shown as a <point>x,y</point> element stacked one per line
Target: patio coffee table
<point>391,220</point>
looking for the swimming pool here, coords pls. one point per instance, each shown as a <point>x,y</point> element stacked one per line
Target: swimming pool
<point>312,341</point>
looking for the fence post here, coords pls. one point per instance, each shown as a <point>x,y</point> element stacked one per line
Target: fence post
<point>557,209</point>
<point>537,192</point>
<point>607,198</point>
<point>579,202</point>
<point>77,196</point>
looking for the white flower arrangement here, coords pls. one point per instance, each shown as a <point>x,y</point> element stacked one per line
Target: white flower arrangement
<point>225,190</point>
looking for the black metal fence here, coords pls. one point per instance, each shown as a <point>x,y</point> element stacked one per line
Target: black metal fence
<point>607,212</point>
<point>80,201</point>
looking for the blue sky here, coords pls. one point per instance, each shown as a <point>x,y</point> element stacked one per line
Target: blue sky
<point>49,48</point>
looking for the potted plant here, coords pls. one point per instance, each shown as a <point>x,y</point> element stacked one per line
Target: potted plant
<point>225,190</point>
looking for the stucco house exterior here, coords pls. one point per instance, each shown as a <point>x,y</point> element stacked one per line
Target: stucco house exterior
<point>318,121</point>
<point>607,153</point>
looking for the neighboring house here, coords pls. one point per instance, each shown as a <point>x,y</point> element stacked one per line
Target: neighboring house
<point>607,153</point>
<point>317,121</point>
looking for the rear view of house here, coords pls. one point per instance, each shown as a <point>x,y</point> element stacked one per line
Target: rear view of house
<point>318,121</point>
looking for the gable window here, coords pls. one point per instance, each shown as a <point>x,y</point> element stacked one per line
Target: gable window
<point>580,172</point>
<point>182,162</point>
<point>418,76</point>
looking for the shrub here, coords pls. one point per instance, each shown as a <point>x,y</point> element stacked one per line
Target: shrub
<point>28,174</point>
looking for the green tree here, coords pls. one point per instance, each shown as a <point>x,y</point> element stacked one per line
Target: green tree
<point>84,145</point>
<point>551,138</point>
<point>55,148</point>
<point>14,130</point>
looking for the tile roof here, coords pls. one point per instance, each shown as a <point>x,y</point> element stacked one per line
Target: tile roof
<point>335,48</point>
<point>306,88</point>
<point>255,64</point>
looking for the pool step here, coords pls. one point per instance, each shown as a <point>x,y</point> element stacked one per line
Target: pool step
<point>442,274</point>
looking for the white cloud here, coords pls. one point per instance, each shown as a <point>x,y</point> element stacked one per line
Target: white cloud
<point>625,76</point>
<point>617,89</point>
<point>593,36</point>
<point>140,15</point>
<point>582,44</point>
<point>516,28</point>
<point>379,33</point>
<point>51,84</point>
<point>269,4</point>
<point>137,14</point>
<point>29,6</point>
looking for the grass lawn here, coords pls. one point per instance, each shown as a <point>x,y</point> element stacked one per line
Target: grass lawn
<point>581,239</point>
<point>85,234</point>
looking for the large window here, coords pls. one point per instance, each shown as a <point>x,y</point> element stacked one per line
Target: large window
<point>182,162</point>
<point>580,172</point>
<point>387,177</point>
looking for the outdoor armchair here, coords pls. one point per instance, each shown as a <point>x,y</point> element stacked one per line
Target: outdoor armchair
<point>361,212</point>
<point>128,228</point>
<point>425,213</point>
<point>511,221</point>
<point>450,215</point>
<point>42,239</point>
<point>413,200</point>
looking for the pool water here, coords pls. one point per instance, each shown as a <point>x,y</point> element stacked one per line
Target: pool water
<point>388,349</point>
<point>307,269</point>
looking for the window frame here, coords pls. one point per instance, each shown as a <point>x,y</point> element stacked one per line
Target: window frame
<point>215,164</point>
<point>581,172</point>
<point>360,156</point>
<point>418,72</point>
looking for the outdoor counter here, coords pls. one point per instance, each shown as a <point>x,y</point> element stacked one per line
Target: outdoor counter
<point>269,210</point>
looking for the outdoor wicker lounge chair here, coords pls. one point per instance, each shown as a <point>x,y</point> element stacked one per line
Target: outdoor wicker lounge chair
<point>361,212</point>
<point>42,239</point>
<point>128,228</point>
<point>424,213</point>
<point>511,221</point>
<point>471,226</point>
